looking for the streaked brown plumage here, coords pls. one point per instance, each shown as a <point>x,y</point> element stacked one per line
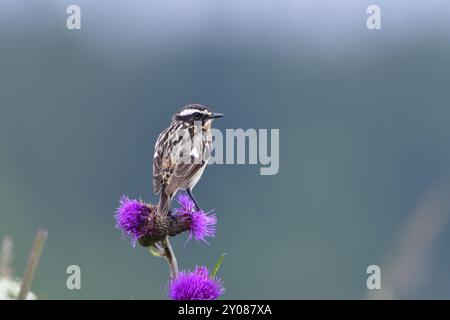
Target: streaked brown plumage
<point>181,153</point>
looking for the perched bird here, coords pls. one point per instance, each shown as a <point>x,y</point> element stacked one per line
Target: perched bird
<point>181,153</point>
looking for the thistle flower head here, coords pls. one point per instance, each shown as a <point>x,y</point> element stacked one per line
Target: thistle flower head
<point>131,216</point>
<point>195,285</point>
<point>186,203</point>
<point>202,224</point>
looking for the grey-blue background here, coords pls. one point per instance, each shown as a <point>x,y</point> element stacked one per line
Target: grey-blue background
<point>364,141</point>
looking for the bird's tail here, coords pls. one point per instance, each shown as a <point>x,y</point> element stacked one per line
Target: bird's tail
<point>165,201</point>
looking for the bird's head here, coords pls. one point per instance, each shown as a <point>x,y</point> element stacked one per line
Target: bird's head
<point>197,113</point>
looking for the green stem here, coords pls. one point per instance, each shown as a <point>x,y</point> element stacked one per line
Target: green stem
<point>170,258</point>
<point>6,257</point>
<point>33,260</point>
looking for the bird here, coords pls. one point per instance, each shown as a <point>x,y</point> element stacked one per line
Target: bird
<point>182,151</point>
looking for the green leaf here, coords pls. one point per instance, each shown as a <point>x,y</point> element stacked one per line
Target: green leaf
<point>154,251</point>
<point>217,266</point>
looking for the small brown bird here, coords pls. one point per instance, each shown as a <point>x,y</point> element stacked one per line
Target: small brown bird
<point>181,153</point>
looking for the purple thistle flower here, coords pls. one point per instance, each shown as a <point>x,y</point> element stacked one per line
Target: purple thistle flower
<point>186,203</point>
<point>196,285</point>
<point>131,216</point>
<point>202,224</point>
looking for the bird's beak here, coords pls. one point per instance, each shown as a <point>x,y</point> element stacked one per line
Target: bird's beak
<point>216,115</point>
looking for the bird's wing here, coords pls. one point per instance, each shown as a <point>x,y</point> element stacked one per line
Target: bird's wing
<point>188,166</point>
<point>158,161</point>
<point>175,165</point>
<point>181,176</point>
<point>157,174</point>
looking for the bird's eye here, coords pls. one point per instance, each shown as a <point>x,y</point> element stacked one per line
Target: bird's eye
<point>197,115</point>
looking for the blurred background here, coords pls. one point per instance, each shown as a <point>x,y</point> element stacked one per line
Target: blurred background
<point>364,142</point>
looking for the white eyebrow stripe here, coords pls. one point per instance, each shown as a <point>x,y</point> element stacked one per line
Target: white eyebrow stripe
<point>191,111</point>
